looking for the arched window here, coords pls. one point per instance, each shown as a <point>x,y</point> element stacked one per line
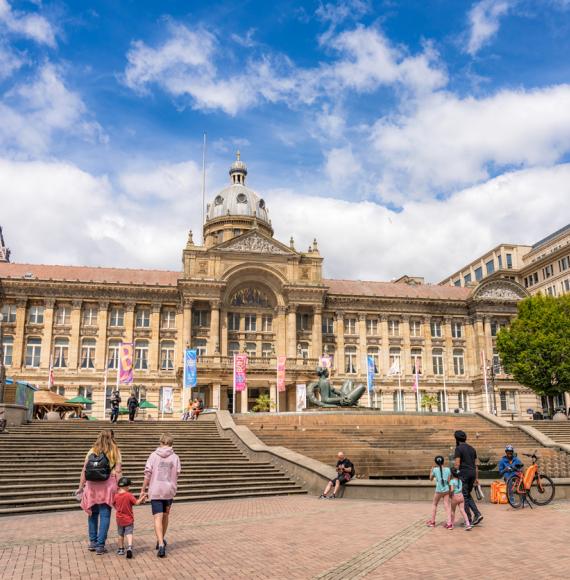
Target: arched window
<point>33,351</point>
<point>249,297</point>
<point>60,352</point>
<point>113,354</point>
<point>233,348</point>
<point>374,352</point>
<point>8,349</point>
<point>167,355</point>
<point>88,353</point>
<point>437,360</point>
<point>141,355</point>
<point>350,359</point>
<point>458,361</point>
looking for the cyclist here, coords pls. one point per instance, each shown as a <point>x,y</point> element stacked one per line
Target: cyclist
<point>510,463</point>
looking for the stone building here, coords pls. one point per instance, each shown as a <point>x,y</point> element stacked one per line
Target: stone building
<point>244,290</point>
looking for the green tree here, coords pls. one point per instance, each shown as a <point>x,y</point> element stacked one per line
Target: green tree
<point>263,404</point>
<point>536,347</point>
<point>429,401</point>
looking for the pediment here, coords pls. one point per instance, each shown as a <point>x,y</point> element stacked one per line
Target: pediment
<point>500,290</point>
<point>255,243</point>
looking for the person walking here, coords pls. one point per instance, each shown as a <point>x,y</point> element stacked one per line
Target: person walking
<point>115,403</point>
<point>98,486</point>
<point>132,405</point>
<point>467,464</point>
<point>441,475</point>
<point>160,482</point>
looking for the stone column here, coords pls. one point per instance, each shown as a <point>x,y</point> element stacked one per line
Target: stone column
<point>385,345</point>
<point>180,343</point>
<point>47,334</point>
<point>129,321</point>
<point>154,345</point>
<point>214,338</point>
<point>74,344</point>
<point>339,361</point>
<point>280,337</point>
<point>273,396</point>
<point>406,352</point>
<point>101,348</point>
<point>362,349</point>
<point>243,401</point>
<point>224,331</point>
<point>216,396</point>
<point>292,331</point>
<point>448,348</point>
<point>19,346</point>
<point>187,324</point>
<point>426,368</point>
<point>317,335</point>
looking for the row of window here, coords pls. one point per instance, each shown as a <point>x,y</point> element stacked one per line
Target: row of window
<point>489,267</point>
<point>547,272</point>
<point>250,322</point>
<point>564,286</point>
<point>415,401</point>
<point>394,327</point>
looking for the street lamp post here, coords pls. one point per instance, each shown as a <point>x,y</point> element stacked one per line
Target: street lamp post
<point>491,370</point>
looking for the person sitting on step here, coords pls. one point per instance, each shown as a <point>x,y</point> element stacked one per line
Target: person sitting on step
<point>345,472</point>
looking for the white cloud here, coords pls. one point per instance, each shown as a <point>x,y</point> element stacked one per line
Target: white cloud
<point>32,113</point>
<point>484,19</point>
<point>448,142</point>
<point>341,166</point>
<point>10,61</point>
<point>32,26</point>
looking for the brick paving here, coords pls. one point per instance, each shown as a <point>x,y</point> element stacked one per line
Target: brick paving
<point>296,537</point>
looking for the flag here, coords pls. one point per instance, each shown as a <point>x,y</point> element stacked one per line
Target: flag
<point>370,373</point>
<point>51,378</point>
<point>416,376</point>
<point>281,361</point>
<point>126,363</point>
<point>395,368</point>
<point>240,367</point>
<point>190,368</point>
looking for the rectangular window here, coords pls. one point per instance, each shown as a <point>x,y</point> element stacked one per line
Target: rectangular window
<point>497,366</point>
<point>303,350</point>
<point>141,355</point>
<point>395,361</point>
<point>167,356</point>
<point>250,322</point>
<point>36,315</point>
<point>371,326</point>
<point>200,347</point>
<point>436,328</point>
<point>437,361</point>
<point>500,261</point>
<point>441,402</point>
<point>142,319</point>
<point>456,329</point>
<point>117,317</point>
<point>458,362</point>
<point>88,353</point>
<point>328,325</point>
<point>415,328</point>
<point>350,326</point>
<point>113,355</point>
<point>303,321</point>
<point>509,261</point>
<point>168,318</point>
<point>350,359</point>
<point>201,318</point>
<point>89,316</point>
<point>393,327</point>
<point>9,313</point>
<point>233,347</point>
<point>63,316</point>
<point>496,326</point>
<point>60,353</point>
<point>508,401</point>
<point>266,350</point>
<point>478,273</point>
<point>467,279</point>
<point>463,400</point>
<point>33,352</point>
<point>548,271</point>
<point>267,323</point>
<point>251,349</point>
<point>8,349</point>
<point>566,285</point>
<point>490,265</point>
<point>233,321</point>
<point>416,358</point>
<point>399,400</point>
<point>457,283</point>
<point>375,354</point>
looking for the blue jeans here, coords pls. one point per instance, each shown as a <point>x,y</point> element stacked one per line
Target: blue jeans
<point>98,523</point>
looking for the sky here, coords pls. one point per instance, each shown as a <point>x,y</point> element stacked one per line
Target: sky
<point>407,137</point>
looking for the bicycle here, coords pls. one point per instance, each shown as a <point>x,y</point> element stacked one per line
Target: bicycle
<point>531,484</point>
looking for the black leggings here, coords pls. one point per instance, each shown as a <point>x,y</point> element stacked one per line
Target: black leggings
<point>468,480</point>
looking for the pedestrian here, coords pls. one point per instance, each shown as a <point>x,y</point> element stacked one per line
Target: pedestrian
<point>160,481</point>
<point>123,502</point>
<point>115,402</point>
<point>132,405</point>
<point>467,464</point>
<point>441,475</point>
<point>457,499</point>
<point>97,487</point>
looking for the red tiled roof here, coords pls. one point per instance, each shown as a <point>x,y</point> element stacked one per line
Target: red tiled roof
<point>393,290</point>
<point>89,274</point>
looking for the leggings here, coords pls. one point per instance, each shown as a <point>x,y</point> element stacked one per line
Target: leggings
<point>446,504</point>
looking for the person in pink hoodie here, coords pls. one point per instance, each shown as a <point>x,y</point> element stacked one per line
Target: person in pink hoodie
<point>160,478</point>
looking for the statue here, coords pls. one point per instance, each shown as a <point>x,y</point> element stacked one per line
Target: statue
<point>347,396</point>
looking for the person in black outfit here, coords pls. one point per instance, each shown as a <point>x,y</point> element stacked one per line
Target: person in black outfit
<point>345,472</point>
<point>132,404</point>
<point>115,402</point>
<point>466,462</point>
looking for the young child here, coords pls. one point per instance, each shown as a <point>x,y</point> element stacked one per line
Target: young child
<point>456,493</point>
<point>442,475</point>
<point>123,502</point>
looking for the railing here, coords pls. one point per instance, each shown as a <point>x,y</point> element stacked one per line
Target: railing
<point>258,362</point>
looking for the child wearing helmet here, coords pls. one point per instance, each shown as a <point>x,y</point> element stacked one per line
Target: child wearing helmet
<point>441,475</point>
<point>510,463</point>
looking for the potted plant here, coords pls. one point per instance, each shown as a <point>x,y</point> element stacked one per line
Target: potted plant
<point>263,404</point>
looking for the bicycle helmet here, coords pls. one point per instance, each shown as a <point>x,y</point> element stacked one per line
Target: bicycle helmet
<point>509,448</point>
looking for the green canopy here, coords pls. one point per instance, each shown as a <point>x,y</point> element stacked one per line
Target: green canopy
<point>123,411</point>
<point>91,418</point>
<point>81,400</point>
<point>147,405</point>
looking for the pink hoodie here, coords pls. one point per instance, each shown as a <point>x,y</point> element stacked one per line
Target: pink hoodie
<point>162,469</point>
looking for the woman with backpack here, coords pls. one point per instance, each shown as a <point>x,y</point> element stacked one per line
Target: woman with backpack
<point>98,485</point>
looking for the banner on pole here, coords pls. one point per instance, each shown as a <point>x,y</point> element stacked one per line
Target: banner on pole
<point>240,369</point>
<point>167,401</point>
<point>281,361</point>
<point>301,397</point>
<point>416,376</point>
<point>190,368</point>
<point>370,372</point>
<point>126,363</point>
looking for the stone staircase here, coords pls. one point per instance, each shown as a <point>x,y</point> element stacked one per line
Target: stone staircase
<point>384,446</point>
<point>558,431</point>
<point>42,462</point>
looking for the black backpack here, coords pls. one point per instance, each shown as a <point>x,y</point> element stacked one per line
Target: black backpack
<point>97,468</point>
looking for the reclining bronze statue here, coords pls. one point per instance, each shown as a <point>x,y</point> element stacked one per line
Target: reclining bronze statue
<point>347,396</point>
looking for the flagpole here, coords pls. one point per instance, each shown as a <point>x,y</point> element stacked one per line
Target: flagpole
<point>445,405</point>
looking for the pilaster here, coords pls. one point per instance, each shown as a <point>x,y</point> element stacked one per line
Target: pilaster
<point>74,345</point>
<point>317,335</point>
<point>339,362</point>
<point>101,349</point>
<point>47,334</point>
<point>18,350</point>
<point>154,345</point>
<point>214,338</point>
<point>292,331</point>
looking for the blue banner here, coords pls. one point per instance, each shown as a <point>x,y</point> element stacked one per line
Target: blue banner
<point>190,369</point>
<point>370,372</point>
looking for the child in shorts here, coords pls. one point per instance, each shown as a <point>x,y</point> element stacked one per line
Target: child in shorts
<point>442,475</point>
<point>123,502</point>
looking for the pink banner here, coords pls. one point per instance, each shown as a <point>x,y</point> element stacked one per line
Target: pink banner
<point>240,368</point>
<point>281,360</point>
<point>325,362</point>
<point>126,363</point>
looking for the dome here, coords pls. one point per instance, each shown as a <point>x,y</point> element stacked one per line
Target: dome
<point>238,200</point>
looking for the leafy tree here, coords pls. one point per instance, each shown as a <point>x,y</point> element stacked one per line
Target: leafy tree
<point>536,347</point>
<point>429,401</point>
<point>263,404</point>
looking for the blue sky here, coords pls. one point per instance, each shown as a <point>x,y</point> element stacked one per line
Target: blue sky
<point>415,134</point>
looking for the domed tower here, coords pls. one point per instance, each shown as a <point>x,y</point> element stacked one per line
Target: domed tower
<point>235,210</point>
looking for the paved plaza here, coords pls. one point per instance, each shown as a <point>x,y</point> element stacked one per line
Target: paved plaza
<point>297,537</point>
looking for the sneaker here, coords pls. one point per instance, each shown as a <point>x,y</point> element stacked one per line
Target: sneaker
<point>468,528</point>
<point>121,551</point>
<point>333,496</point>
<point>100,551</point>
<point>129,553</point>
<point>478,519</point>
<point>430,524</point>
<point>322,496</point>
<point>92,546</point>
<point>165,543</point>
<point>449,526</point>
<point>161,552</point>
